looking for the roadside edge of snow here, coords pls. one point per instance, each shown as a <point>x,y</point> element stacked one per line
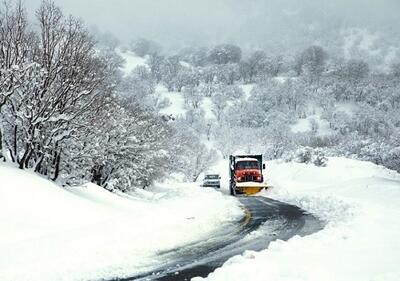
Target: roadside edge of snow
<point>348,248</point>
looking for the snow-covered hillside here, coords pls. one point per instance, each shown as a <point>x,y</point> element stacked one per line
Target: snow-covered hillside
<point>131,61</point>
<point>176,101</point>
<point>88,233</point>
<point>360,203</point>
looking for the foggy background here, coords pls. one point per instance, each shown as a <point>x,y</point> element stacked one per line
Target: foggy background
<point>275,25</point>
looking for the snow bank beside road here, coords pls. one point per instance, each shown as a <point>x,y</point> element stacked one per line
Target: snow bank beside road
<point>359,201</point>
<point>88,233</point>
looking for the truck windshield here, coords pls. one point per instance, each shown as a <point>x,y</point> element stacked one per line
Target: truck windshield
<point>247,165</point>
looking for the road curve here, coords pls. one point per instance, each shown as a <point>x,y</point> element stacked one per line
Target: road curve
<point>265,220</point>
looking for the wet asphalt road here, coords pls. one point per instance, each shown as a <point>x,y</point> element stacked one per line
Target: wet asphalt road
<point>266,220</point>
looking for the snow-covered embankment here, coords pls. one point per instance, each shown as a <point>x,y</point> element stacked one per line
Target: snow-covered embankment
<point>360,203</point>
<point>88,233</point>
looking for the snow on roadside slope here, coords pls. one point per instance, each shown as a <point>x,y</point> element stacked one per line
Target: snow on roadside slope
<point>360,203</point>
<point>88,233</point>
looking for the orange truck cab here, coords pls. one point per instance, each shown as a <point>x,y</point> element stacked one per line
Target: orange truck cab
<point>246,174</point>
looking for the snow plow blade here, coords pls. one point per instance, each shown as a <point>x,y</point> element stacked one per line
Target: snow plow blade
<point>250,188</point>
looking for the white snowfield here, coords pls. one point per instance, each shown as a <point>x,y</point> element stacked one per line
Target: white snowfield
<point>360,203</point>
<point>48,233</point>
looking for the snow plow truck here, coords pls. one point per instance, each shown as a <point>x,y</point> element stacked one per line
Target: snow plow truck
<point>246,174</point>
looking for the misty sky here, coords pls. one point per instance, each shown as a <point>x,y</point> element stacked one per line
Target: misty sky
<point>245,22</point>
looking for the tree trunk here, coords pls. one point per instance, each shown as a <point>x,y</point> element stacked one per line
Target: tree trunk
<point>28,158</point>
<point>97,175</point>
<point>195,177</point>
<point>38,164</point>
<point>22,161</point>
<point>15,145</point>
<point>2,157</point>
<point>57,166</point>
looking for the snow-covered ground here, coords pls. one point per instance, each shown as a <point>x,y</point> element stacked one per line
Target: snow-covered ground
<point>88,233</point>
<point>347,107</point>
<point>314,122</point>
<point>207,105</point>
<point>306,125</point>
<point>131,61</point>
<point>177,107</point>
<point>360,203</point>
<point>51,233</point>
<point>247,88</point>
<point>176,100</point>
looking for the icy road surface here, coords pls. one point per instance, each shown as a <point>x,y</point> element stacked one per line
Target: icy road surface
<point>266,220</point>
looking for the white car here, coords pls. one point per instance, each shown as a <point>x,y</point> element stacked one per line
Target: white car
<point>212,180</point>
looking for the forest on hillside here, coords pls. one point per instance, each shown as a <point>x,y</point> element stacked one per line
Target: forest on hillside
<point>348,107</point>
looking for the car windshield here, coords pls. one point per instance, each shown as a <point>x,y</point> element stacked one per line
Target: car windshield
<point>212,177</point>
<point>247,165</point>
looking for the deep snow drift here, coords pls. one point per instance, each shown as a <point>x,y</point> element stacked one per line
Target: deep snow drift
<point>360,203</point>
<point>88,233</point>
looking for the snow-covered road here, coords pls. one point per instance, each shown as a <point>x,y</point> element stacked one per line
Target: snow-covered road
<point>266,220</point>
<point>358,200</point>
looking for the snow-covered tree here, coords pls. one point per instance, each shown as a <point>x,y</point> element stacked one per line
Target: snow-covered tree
<point>223,94</point>
<point>143,47</point>
<point>139,84</point>
<point>170,69</point>
<point>253,66</point>
<point>225,53</point>
<point>355,70</point>
<point>392,159</point>
<point>192,96</point>
<point>311,61</point>
<point>228,73</point>
<point>187,78</point>
<point>125,148</point>
<point>194,56</point>
<point>53,98</point>
<point>199,160</point>
<point>320,160</point>
<point>155,63</point>
<point>219,104</point>
<point>395,70</point>
<point>16,40</point>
